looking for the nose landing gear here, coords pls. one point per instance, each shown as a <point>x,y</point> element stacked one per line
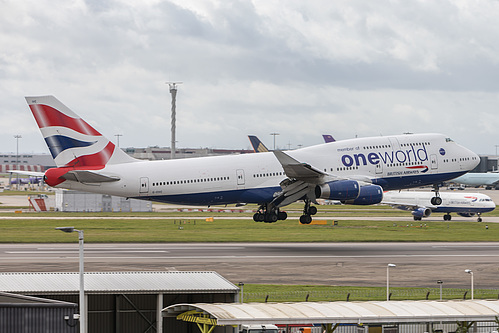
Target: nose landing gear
<point>436,200</point>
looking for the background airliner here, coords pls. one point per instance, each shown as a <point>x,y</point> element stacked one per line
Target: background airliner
<point>418,203</point>
<point>488,179</point>
<point>354,171</point>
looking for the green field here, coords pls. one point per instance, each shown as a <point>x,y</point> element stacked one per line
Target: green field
<point>239,227</point>
<point>316,293</point>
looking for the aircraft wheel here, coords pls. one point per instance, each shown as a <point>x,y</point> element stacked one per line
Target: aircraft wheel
<point>447,217</point>
<point>271,218</point>
<point>282,216</point>
<point>258,217</point>
<point>417,218</point>
<point>479,219</point>
<point>436,201</point>
<point>305,219</point>
<point>312,210</point>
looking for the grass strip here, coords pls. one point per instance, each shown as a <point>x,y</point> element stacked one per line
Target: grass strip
<point>143,230</point>
<point>311,293</point>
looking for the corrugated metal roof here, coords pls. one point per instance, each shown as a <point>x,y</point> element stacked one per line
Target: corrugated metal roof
<point>124,282</point>
<point>342,312</point>
<point>8,299</point>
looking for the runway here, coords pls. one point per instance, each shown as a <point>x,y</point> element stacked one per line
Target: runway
<point>356,264</point>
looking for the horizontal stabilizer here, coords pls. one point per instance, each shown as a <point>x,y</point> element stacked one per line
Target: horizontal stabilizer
<point>27,173</point>
<point>83,176</point>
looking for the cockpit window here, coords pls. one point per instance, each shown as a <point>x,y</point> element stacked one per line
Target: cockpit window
<point>448,140</point>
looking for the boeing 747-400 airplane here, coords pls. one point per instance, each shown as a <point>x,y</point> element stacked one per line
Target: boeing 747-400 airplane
<point>353,171</point>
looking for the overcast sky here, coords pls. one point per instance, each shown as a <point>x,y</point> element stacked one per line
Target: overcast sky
<point>299,68</point>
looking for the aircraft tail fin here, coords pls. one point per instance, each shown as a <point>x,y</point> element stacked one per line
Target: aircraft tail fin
<point>258,145</point>
<point>328,138</point>
<point>71,140</point>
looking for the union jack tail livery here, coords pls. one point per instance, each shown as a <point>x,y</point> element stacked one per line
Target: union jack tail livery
<point>71,140</point>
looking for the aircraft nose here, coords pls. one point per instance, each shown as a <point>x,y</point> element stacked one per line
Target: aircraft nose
<point>475,158</point>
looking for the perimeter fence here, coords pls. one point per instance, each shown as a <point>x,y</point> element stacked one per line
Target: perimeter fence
<point>378,294</point>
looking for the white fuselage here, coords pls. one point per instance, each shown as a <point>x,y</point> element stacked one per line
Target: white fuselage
<point>394,162</point>
<point>457,202</point>
<point>478,179</point>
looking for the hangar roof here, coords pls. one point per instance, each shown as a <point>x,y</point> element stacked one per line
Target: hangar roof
<point>13,300</point>
<point>340,312</point>
<point>123,282</point>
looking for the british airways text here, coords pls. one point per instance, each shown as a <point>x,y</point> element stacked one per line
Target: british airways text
<point>387,157</point>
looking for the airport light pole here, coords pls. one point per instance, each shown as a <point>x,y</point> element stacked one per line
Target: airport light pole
<point>469,271</point>
<point>83,317</point>
<point>17,136</point>
<point>440,282</point>
<point>241,286</point>
<point>274,134</point>
<point>388,280</point>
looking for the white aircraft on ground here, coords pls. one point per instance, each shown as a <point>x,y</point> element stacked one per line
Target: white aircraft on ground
<point>354,171</point>
<point>464,204</point>
<point>488,179</point>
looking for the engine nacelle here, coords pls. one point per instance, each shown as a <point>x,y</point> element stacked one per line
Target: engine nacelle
<point>421,212</point>
<point>466,214</point>
<point>368,195</point>
<point>338,190</point>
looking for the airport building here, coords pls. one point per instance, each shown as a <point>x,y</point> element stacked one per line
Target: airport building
<point>164,153</point>
<point>26,162</point>
<point>488,163</point>
<point>77,201</point>
<point>20,313</point>
<point>123,302</point>
<point>42,162</point>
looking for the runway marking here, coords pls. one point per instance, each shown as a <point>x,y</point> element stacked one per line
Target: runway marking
<point>114,249</point>
<point>465,246</point>
<point>262,257</point>
<point>76,250</point>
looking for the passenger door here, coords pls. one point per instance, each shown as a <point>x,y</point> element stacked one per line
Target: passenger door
<point>144,185</point>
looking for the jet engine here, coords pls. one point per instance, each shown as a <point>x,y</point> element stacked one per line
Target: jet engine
<point>421,212</point>
<point>368,195</point>
<point>338,190</point>
<point>466,214</point>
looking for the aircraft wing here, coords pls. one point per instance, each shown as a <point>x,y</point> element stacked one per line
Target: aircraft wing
<point>405,206</point>
<point>297,170</point>
<point>301,181</point>
<point>84,176</point>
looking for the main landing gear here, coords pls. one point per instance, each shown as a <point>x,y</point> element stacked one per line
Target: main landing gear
<point>264,214</point>
<point>308,211</point>
<point>436,200</point>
